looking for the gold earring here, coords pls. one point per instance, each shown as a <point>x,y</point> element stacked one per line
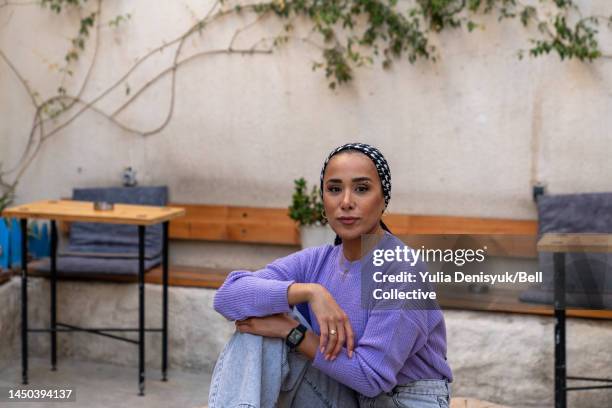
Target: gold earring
<point>323,215</point>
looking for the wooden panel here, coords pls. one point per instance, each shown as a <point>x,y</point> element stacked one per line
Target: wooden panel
<point>189,276</point>
<point>575,243</point>
<point>71,210</point>
<point>178,275</point>
<point>273,225</point>
<point>514,246</point>
<point>240,224</point>
<point>440,224</point>
<point>506,300</point>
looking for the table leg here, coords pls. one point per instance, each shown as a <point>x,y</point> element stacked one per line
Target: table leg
<point>141,311</point>
<point>24,300</point>
<point>53,295</point>
<point>559,302</point>
<point>165,301</point>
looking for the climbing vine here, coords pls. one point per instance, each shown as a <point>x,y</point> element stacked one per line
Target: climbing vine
<point>349,34</point>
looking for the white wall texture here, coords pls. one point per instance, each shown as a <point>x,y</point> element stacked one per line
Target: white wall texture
<point>467,135</point>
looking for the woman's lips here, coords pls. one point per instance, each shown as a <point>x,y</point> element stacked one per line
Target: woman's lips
<point>348,220</point>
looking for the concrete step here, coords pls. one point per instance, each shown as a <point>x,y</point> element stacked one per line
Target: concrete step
<point>460,402</point>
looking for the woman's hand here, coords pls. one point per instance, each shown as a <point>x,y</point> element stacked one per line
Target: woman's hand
<point>330,316</point>
<point>276,325</point>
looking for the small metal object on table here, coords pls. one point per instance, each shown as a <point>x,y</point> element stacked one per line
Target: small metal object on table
<point>66,210</point>
<point>559,245</point>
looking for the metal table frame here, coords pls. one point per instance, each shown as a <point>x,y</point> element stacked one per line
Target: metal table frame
<point>561,376</point>
<point>56,326</point>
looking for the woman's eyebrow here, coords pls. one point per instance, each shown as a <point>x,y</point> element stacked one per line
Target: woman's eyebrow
<point>355,180</point>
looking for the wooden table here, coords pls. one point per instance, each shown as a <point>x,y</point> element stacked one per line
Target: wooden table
<point>559,245</point>
<point>138,215</point>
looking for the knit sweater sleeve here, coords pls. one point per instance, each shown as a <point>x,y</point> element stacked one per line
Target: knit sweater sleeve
<point>390,338</point>
<point>264,292</point>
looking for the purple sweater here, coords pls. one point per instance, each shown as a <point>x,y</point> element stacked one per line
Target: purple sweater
<point>391,346</point>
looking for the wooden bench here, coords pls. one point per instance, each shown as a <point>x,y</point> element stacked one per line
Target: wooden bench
<point>272,226</point>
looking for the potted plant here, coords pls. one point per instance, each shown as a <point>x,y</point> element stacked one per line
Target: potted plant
<point>307,210</point>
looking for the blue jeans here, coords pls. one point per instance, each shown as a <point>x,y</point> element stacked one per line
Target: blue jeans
<point>261,372</point>
<point>417,394</point>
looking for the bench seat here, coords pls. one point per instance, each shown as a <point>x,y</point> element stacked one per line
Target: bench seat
<point>178,275</point>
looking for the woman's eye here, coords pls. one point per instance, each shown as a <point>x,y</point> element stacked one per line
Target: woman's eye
<point>359,189</point>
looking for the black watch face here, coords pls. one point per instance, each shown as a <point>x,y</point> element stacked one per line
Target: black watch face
<point>295,336</point>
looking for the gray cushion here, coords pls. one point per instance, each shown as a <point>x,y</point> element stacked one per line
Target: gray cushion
<point>588,275</point>
<point>114,238</point>
<point>96,248</point>
<point>90,265</point>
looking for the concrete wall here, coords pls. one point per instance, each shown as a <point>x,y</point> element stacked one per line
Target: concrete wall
<point>197,332</point>
<point>499,357</point>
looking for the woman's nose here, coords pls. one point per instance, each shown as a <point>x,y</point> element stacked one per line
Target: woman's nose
<point>347,200</point>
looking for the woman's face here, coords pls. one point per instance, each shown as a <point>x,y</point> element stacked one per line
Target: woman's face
<point>352,195</point>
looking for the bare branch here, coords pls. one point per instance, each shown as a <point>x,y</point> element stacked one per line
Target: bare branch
<point>246,27</point>
<point>20,77</point>
<point>172,69</point>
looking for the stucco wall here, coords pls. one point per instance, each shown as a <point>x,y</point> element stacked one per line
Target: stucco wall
<point>467,135</point>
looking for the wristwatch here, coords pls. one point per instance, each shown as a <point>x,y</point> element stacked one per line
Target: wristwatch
<point>295,336</point>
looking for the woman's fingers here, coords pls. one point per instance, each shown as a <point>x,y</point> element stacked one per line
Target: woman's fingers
<point>332,341</point>
<point>241,325</point>
<point>324,336</point>
<point>245,325</point>
<point>344,335</point>
<point>340,341</point>
<point>350,338</point>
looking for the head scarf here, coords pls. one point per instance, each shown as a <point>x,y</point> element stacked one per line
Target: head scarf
<point>384,173</point>
<point>377,158</point>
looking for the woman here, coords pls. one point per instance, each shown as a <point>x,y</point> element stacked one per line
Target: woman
<point>348,356</point>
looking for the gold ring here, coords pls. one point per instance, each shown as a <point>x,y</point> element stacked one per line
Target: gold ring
<point>332,332</point>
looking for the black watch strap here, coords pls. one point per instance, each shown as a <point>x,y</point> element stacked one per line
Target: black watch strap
<point>295,336</point>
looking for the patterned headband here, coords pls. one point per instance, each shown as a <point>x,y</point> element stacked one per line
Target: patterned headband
<point>377,158</point>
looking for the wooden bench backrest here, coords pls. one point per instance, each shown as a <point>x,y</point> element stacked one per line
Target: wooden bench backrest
<point>273,226</point>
